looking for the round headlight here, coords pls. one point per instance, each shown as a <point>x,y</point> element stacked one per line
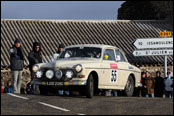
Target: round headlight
<point>58,74</point>
<point>78,68</point>
<point>35,68</point>
<point>69,74</point>
<point>49,74</point>
<point>39,74</point>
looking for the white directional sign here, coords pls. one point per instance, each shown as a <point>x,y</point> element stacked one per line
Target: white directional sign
<point>154,43</point>
<point>153,52</point>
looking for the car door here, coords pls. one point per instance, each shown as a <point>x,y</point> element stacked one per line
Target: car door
<point>109,67</point>
<point>123,65</point>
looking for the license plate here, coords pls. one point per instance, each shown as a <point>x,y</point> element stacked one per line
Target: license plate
<point>54,83</point>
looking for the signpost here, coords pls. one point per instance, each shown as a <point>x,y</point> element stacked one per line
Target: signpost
<point>155,43</point>
<point>165,52</point>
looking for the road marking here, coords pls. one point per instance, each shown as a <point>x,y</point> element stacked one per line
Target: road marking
<point>55,107</point>
<point>81,114</point>
<point>18,96</point>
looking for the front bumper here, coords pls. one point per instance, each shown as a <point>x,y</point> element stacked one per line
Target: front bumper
<point>55,83</point>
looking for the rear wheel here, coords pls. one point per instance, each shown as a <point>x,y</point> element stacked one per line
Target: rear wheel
<point>90,87</point>
<point>129,89</point>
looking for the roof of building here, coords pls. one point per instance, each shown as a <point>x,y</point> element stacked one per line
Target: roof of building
<point>50,33</point>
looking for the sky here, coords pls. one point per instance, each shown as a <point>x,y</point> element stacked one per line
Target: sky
<point>62,10</point>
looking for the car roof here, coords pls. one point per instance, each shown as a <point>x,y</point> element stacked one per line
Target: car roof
<point>92,45</point>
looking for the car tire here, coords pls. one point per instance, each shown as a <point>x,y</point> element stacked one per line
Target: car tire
<point>129,88</point>
<point>90,87</point>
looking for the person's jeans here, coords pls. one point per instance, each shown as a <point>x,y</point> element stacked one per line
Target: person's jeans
<point>169,94</point>
<point>114,93</point>
<point>17,80</point>
<point>150,95</point>
<point>62,92</point>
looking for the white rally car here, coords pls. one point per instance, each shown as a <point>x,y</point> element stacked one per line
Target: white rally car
<point>88,68</point>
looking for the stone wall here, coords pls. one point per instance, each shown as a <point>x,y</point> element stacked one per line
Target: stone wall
<point>6,75</point>
<point>153,69</point>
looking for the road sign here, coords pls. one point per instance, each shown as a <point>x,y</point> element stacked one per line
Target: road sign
<point>165,34</point>
<point>153,52</point>
<point>154,43</point>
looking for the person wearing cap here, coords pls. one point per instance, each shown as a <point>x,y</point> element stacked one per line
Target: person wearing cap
<point>159,85</point>
<point>34,57</point>
<point>16,65</point>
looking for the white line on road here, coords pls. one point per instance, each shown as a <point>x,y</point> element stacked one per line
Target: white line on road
<point>55,107</point>
<point>80,114</point>
<point>18,96</point>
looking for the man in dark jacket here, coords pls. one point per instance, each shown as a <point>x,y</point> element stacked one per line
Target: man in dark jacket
<point>60,48</point>
<point>34,57</point>
<point>57,54</point>
<point>159,85</point>
<point>144,86</point>
<point>17,64</point>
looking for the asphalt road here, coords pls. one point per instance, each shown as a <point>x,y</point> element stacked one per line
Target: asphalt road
<point>21,104</point>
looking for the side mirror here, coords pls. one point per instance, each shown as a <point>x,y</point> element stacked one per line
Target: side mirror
<point>118,58</point>
<point>106,57</point>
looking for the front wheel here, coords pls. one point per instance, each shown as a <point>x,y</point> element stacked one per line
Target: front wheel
<point>90,87</point>
<point>129,88</point>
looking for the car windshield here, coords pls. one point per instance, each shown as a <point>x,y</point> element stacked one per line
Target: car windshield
<point>89,52</point>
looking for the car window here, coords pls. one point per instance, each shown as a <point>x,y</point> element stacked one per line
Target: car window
<point>119,56</point>
<point>110,54</point>
<point>82,52</point>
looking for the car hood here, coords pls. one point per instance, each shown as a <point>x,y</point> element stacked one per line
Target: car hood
<point>68,63</point>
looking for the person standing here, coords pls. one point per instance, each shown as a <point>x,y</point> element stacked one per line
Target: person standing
<point>168,82</point>
<point>57,54</point>
<point>60,49</point>
<point>159,85</point>
<point>16,65</point>
<point>144,86</point>
<point>150,85</point>
<point>34,57</point>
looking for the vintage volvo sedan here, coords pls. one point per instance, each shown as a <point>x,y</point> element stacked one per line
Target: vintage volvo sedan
<point>88,68</point>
